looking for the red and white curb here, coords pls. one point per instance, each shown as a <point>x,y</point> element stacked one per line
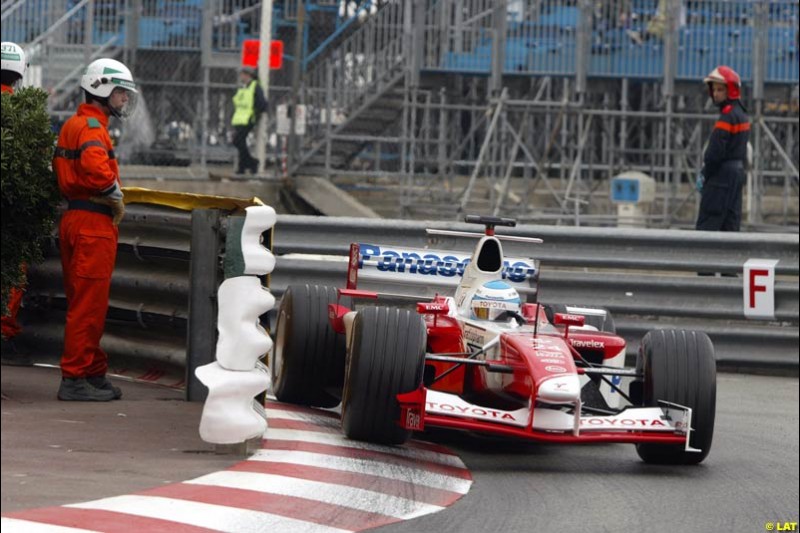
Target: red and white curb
<point>306,478</point>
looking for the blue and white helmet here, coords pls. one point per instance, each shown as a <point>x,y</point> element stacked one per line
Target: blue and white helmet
<point>494,300</point>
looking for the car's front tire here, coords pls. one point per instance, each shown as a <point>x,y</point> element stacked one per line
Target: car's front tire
<point>386,358</point>
<point>308,357</point>
<point>679,366</point>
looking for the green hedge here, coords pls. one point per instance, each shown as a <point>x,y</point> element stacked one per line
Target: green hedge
<point>29,188</point>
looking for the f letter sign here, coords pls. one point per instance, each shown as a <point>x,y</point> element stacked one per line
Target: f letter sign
<point>759,288</point>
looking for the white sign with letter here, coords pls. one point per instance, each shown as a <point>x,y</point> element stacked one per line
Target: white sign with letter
<point>759,288</point>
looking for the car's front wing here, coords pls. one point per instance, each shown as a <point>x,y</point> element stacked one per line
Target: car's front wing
<point>667,424</point>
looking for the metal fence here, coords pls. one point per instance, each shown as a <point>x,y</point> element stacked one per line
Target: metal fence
<point>163,41</point>
<point>645,278</point>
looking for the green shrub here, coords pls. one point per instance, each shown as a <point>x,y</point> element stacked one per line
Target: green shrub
<point>29,188</point>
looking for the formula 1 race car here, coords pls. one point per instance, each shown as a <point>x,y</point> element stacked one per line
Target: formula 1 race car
<point>483,360</point>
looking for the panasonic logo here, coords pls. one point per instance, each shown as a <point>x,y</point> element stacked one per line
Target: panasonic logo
<point>430,264</point>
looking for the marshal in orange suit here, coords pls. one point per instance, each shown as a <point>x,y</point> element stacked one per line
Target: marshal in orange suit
<point>88,177</point>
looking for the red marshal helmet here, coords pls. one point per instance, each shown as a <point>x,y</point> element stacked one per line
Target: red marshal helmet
<point>729,77</point>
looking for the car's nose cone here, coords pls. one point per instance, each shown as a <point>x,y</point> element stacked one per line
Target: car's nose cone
<point>560,389</point>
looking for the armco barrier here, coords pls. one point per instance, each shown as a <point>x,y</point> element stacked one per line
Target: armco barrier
<point>646,278</point>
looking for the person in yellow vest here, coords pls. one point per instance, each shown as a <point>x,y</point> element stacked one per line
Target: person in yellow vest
<point>248,103</point>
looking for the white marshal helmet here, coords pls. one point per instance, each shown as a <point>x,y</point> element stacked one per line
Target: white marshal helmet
<point>103,76</point>
<point>13,58</point>
<point>495,301</point>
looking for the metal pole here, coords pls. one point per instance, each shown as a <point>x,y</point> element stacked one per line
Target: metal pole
<point>88,32</point>
<point>754,173</point>
<point>296,75</point>
<point>499,25</point>
<point>329,125</point>
<point>206,116</point>
<point>623,128</point>
<point>759,48</point>
<point>417,41</point>
<point>441,153</point>
<point>263,78</point>
<point>206,34</point>
<point>412,146</point>
<point>582,45</point>
<point>203,282</point>
<point>668,163</point>
<point>754,177</point>
<point>132,33</point>
<point>670,47</point>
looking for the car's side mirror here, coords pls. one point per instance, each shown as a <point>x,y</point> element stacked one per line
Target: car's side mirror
<point>529,311</point>
<point>433,308</point>
<point>568,319</point>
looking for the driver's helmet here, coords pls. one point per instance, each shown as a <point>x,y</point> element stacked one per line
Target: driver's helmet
<point>495,300</point>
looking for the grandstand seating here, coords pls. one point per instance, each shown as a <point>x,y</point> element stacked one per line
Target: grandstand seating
<point>544,45</point>
<point>547,46</point>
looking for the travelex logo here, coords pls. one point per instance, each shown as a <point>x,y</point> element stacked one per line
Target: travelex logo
<point>422,262</point>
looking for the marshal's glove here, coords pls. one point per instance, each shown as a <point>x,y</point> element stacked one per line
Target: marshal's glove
<point>700,182</point>
<point>116,204</point>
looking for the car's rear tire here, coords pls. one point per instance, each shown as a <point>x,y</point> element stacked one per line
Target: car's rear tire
<point>386,357</point>
<point>602,323</point>
<point>679,367</point>
<point>309,356</point>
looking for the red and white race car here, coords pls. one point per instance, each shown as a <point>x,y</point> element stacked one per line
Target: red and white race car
<point>484,361</point>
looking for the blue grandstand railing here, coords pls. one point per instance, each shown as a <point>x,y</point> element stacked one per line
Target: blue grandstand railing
<point>626,38</point>
<point>782,42</point>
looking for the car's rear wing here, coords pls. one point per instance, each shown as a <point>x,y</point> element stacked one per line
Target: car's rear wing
<point>378,267</point>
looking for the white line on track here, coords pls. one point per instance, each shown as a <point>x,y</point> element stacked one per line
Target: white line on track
<point>350,497</point>
<point>205,515</point>
<point>13,525</point>
<point>339,440</point>
<point>418,476</point>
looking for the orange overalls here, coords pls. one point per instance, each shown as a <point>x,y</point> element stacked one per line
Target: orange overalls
<point>85,165</point>
<point>8,323</point>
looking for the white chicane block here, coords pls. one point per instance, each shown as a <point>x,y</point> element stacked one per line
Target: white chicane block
<point>258,260</point>
<point>230,414</point>
<point>242,341</point>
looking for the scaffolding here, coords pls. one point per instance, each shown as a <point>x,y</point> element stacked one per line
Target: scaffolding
<point>520,107</point>
<point>480,124</point>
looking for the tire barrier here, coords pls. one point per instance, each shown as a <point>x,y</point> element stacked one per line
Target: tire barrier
<point>231,415</point>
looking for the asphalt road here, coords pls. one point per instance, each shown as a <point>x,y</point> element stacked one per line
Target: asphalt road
<point>750,477</point>
<point>64,452</point>
<point>57,452</point>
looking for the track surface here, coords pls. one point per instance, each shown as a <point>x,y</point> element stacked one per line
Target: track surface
<point>750,478</point>
<point>56,453</point>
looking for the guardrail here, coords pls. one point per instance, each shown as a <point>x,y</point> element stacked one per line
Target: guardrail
<point>646,278</point>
